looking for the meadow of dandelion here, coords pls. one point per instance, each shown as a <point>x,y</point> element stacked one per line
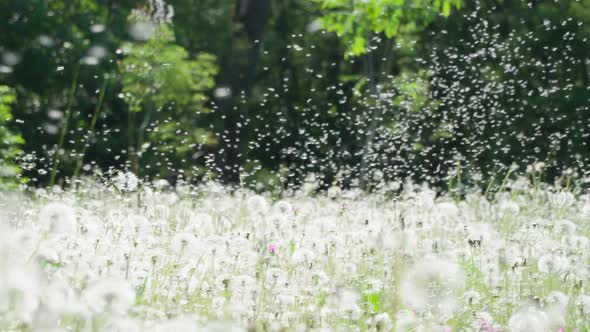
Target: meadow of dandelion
<point>295,165</point>
<point>137,257</point>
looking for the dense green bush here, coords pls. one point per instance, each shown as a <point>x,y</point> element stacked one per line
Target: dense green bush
<point>10,141</point>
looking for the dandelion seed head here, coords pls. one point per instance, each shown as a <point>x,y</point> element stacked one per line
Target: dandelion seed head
<point>126,181</point>
<point>109,295</point>
<point>184,244</point>
<point>529,319</point>
<point>58,218</point>
<point>284,207</point>
<point>257,204</point>
<point>432,285</point>
<point>583,301</point>
<point>406,321</point>
<point>123,325</point>
<point>20,292</point>
<point>550,263</point>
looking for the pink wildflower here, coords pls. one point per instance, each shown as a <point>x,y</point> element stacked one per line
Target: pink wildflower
<point>273,248</point>
<point>485,325</point>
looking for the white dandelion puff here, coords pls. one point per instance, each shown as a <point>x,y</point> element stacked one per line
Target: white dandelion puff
<point>432,285</point>
<point>529,319</point>
<point>123,325</point>
<point>550,263</point>
<point>184,244</point>
<point>126,182</point>
<point>257,204</point>
<point>406,321</point>
<point>583,301</point>
<point>177,325</point>
<point>110,295</point>
<point>562,199</point>
<point>283,207</point>
<point>58,218</point>
<point>19,294</point>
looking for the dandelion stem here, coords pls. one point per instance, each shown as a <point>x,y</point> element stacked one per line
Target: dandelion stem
<point>64,129</point>
<point>91,128</point>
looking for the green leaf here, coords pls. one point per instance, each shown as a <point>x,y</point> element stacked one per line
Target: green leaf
<point>446,8</point>
<point>374,300</point>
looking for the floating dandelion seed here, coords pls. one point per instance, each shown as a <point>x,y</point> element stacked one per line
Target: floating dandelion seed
<point>142,30</point>
<point>222,92</point>
<point>10,58</point>
<point>161,184</point>
<point>97,28</point>
<point>45,41</point>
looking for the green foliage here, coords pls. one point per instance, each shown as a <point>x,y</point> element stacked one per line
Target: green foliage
<point>10,142</point>
<point>412,92</point>
<point>354,21</point>
<point>374,301</point>
<point>160,72</point>
<point>48,40</point>
<point>162,82</point>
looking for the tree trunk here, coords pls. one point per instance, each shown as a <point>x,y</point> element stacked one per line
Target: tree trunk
<point>240,76</point>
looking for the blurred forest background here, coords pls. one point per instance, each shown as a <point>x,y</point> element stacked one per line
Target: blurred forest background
<point>267,92</point>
